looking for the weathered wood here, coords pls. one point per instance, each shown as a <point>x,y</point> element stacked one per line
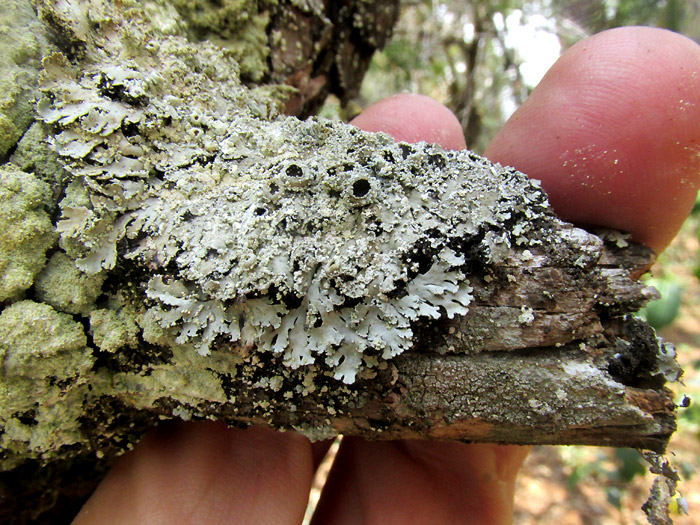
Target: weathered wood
<point>588,377</point>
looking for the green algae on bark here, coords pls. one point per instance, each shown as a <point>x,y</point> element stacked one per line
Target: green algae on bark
<point>46,364</point>
<point>20,63</point>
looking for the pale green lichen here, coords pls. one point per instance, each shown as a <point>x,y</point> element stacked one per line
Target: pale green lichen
<point>34,155</point>
<point>153,331</point>
<point>312,240</point>
<point>113,329</point>
<point>26,232</point>
<point>62,285</point>
<point>19,69</point>
<point>187,378</point>
<point>45,363</point>
<point>667,364</point>
<point>237,25</point>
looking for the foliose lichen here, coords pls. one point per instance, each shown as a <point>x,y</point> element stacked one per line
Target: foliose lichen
<point>237,25</point>
<point>312,240</point>
<point>113,329</point>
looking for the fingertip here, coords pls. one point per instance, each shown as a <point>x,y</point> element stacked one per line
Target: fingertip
<point>613,133</point>
<point>201,471</point>
<point>417,481</point>
<point>413,118</point>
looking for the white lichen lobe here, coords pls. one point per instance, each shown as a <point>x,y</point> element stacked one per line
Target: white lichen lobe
<point>312,240</point>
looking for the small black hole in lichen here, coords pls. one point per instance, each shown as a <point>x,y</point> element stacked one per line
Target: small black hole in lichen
<point>260,211</point>
<point>473,156</point>
<point>360,188</point>
<point>351,302</point>
<point>374,226</point>
<point>273,188</point>
<point>406,150</point>
<point>27,418</point>
<point>291,301</point>
<point>130,129</point>
<point>348,166</point>
<point>157,173</point>
<point>388,156</point>
<point>119,92</point>
<point>294,171</point>
<point>437,160</point>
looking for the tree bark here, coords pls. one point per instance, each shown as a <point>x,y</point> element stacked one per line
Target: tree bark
<point>500,323</point>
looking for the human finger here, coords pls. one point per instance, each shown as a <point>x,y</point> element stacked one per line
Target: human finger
<point>613,133</point>
<point>204,472</point>
<point>411,481</point>
<point>410,117</point>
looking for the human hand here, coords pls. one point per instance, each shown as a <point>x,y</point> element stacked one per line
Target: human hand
<point>613,132</point>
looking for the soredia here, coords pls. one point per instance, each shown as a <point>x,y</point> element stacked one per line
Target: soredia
<point>310,239</point>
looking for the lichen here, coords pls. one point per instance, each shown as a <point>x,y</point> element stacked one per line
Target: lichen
<point>113,329</point>
<point>188,379</point>
<point>33,155</point>
<point>19,69</point>
<point>667,364</point>
<point>527,315</point>
<point>45,363</point>
<point>62,285</point>
<point>237,25</point>
<point>26,232</point>
<point>312,240</point>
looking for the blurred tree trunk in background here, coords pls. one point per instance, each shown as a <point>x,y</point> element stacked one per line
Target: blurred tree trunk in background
<point>317,47</point>
<point>472,55</point>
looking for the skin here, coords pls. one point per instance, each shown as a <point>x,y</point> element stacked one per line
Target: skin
<point>613,133</point>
